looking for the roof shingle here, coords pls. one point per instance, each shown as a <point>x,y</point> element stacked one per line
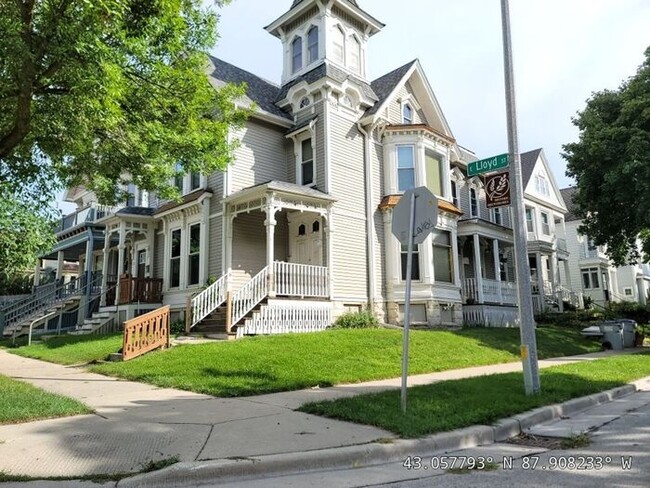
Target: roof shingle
<point>568,195</point>
<point>385,85</point>
<point>528,161</point>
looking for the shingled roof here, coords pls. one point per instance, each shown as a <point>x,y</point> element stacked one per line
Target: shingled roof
<point>528,161</point>
<point>262,92</point>
<point>326,70</point>
<point>384,85</point>
<point>296,2</point>
<point>568,195</point>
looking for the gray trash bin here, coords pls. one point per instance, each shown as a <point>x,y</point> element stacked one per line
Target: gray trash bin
<point>629,332</point>
<point>612,335</point>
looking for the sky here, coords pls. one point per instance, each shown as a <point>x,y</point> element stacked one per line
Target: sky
<point>564,50</point>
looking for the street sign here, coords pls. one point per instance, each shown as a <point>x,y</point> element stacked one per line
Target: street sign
<point>497,190</point>
<point>426,215</point>
<point>486,165</point>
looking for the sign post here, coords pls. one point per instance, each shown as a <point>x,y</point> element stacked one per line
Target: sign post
<point>414,218</point>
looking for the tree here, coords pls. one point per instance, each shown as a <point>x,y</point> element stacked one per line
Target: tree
<point>611,164</point>
<point>105,92</point>
<point>26,232</point>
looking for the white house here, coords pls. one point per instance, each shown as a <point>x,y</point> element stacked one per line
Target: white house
<point>297,230</point>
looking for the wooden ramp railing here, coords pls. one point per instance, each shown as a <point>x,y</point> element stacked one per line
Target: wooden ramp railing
<point>146,333</point>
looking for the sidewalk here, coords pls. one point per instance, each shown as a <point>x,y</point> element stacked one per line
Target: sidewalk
<point>137,423</point>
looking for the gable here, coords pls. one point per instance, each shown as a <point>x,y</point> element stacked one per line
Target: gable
<point>541,178</point>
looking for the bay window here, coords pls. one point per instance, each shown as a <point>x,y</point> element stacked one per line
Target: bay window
<point>415,268</point>
<point>405,167</point>
<point>442,263</point>
<point>433,168</point>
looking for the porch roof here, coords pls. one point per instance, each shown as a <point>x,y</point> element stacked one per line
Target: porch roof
<point>482,227</point>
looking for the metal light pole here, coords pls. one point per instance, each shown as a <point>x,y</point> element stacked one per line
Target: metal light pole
<point>526,318</point>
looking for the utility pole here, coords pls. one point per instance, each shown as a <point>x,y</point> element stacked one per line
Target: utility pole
<point>526,317</point>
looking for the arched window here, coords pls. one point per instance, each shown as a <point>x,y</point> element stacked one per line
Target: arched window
<point>302,230</point>
<point>304,102</point>
<point>315,227</point>
<point>312,44</point>
<point>407,114</point>
<point>355,54</point>
<point>338,42</point>
<point>296,54</point>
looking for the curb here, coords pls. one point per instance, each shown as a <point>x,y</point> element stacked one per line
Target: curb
<point>206,472</point>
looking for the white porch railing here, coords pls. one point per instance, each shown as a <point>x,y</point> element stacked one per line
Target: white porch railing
<point>209,299</point>
<point>494,291</point>
<point>249,295</point>
<point>301,280</point>
<point>288,318</point>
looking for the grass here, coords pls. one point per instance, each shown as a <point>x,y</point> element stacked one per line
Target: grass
<point>483,400</point>
<point>69,349</point>
<point>576,441</point>
<point>21,402</point>
<point>295,361</point>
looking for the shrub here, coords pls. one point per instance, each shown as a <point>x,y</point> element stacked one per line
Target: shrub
<point>177,327</point>
<point>629,310</point>
<point>357,320</point>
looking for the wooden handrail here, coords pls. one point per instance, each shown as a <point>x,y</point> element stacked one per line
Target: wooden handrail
<point>146,333</point>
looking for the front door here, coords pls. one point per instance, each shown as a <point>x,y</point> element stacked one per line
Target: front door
<point>306,244</point>
<point>142,258</point>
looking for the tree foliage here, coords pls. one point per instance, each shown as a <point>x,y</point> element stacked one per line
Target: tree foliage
<point>26,231</point>
<point>101,92</point>
<point>611,164</point>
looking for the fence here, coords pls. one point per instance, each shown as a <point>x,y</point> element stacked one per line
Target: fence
<point>146,333</point>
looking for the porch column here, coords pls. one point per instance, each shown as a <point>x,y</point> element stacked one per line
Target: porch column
<point>89,270</point>
<point>497,268</point>
<point>540,275</point>
<point>270,223</point>
<point>641,291</point>
<point>477,268</point>
<point>204,239</point>
<point>329,230</point>
<point>59,265</point>
<point>120,261</point>
<point>457,259</point>
<point>107,244</point>
<point>37,273</point>
<point>557,291</point>
<point>230,225</point>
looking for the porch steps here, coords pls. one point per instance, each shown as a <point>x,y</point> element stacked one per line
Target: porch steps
<point>99,320</point>
<point>22,327</point>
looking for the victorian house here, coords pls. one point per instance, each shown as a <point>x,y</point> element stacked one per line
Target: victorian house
<point>297,230</point>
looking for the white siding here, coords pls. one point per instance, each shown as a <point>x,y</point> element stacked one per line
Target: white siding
<point>395,107</point>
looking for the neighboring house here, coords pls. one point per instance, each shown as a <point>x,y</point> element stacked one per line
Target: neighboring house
<point>297,230</point>
<point>592,272</point>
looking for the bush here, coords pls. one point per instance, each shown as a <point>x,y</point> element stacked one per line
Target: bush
<point>357,320</point>
<point>629,310</point>
<point>177,327</point>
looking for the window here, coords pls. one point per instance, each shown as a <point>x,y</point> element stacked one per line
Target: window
<point>296,54</point>
<point>338,42</point>
<point>355,55</point>
<point>541,185</point>
<point>546,229</point>
<point>312,44</point>
<point>415,269</point>
<point>434,172</point>
<point>195,181</point>
<point>315,227</point>
<point>194,255</point>
<point>407,114</point>
<point>405,167</point>
<point>175,259</point>
<point>302,230</point>
<point>627,292</point>
<point>590,278</point>
<point>454,193</point>
<point>497,217</point>
<point>442,271</point>
<point>473,203</point>
<point>304,102</point>
<point>591,245</point>
<point>530,227</point>
<point>178,178</point>
<point>307,163</point>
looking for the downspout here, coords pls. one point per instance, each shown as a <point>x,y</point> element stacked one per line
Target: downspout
<point>370,225</point>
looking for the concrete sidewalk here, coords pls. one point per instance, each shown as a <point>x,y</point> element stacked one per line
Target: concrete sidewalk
<point>135,423</point>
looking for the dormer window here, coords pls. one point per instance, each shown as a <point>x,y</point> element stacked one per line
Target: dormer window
<point>312,44</point>
<point>296,54</point>
<point>407,114</point>
<point>355,55</point>
<point>338,42</point>
<point>305,102</point>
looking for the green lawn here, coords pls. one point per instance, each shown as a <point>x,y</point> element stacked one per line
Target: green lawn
<point>69,349</point>
<point>22,402</point>
<point>460,403</point>
<point>290,362</point>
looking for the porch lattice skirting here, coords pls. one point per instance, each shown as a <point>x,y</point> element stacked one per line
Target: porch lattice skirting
<point>284,317</point>
<point>490,315</point>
